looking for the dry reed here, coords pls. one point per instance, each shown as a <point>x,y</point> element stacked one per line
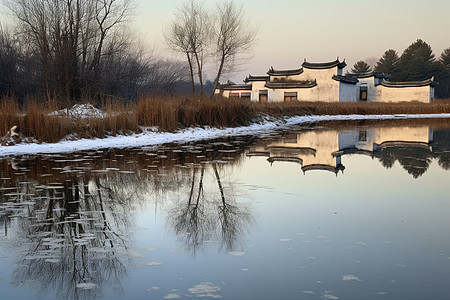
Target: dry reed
<point>168,114</point>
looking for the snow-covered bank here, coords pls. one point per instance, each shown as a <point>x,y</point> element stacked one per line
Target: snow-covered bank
<point>189,135</point>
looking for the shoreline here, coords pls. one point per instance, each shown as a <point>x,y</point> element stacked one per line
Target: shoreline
<point>193,134</point>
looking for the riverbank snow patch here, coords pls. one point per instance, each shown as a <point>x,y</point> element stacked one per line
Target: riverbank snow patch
<point>80,111</point>
<point>150,138</point>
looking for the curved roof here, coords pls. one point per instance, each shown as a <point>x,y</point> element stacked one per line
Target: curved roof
<point>352,150</point>
<point>325,65</point>
<point>323,168</point>
<point>402,84</point>
<point>291,84</point>
<point>273,72</point>
<point>235,87</point>
<point>346,79</point>
<point>285,159</point>
<point>297,150</point>
<point>370,74</point>
<point>402,144</point>
<point>255,78</point>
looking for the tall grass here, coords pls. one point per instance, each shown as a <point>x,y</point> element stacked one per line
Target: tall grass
<point>363,108</point>
<point>168,114</point>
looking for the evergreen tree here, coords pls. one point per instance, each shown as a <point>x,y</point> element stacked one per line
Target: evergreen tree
<point>417,62</point>
<point>388,63</point>
<point>445,58</point>
<point>361,67</point>
<point>443,76</point>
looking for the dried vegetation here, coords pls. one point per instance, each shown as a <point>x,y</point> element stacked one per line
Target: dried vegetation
<point>168,114</point>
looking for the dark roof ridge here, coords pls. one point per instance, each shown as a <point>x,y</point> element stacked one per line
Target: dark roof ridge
<point>324,65</point>
<point>346,79</point>
<point>256,78</point>
<point>291,84</point>
<point>273,72</point>
<point>401,84</point>
<point>370,74</point>
<point>232,86</point>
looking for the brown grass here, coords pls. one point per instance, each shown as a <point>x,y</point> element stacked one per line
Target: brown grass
<point>361,108</point>
<point>169,114</point>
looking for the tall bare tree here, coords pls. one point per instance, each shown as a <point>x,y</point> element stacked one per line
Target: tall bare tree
<point>70,38</point>
<point>233,37</point>
<point>189,33</point>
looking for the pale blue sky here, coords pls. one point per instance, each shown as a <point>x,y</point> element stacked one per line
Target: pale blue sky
<point>320,30</point>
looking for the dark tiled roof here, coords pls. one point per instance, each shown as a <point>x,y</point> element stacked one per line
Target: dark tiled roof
<point>352,150</point>
<point>325,65</point>
<point>402,144</point>
<point>273,72</point>
<point>235,86</point>
<point>370,74</point>
<point>291,84</point>
<point>256,78</point>
<point>294,150</point>
<point>323,168</point>
<point>285,159</point>
<point>392,84</point>
<point>346,79</point>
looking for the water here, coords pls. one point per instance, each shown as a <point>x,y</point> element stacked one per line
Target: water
<point>359,212</point>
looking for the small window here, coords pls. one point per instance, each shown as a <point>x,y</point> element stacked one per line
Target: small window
<point>234,95</point>
<point>263,96</point>
<point>362,136</point>
<point>246,95</point>
<point>363,93</point>
<point>290,96</point>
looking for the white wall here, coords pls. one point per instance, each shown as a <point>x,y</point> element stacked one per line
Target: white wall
<point>389,94</point>
<point>327,89</point>
<point>256,87</point>
<point>348,92</point>
<point>371,88</point>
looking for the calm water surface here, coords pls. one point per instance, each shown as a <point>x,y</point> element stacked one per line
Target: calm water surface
<point>316,213</point>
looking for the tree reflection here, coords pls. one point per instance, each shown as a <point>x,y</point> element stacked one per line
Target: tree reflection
<point>190,222</point>
<point>206,215</point>
<point>73,236</point>
<point>414,159</point>
<point>441,147</point>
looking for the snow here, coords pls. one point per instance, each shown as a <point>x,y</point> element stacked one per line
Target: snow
<point>80,111</point>
<point>151,138</point>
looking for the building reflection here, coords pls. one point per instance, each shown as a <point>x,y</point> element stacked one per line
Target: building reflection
<point>310,149</point>
<point>413,147</point>
<point>70,217</point>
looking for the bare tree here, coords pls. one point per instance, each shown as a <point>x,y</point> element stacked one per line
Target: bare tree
<point>70,38</point>
<point>189,34</point>
<point>233,37</point>
<point>9,62</point>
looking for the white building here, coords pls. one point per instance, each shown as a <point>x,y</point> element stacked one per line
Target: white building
<point>325,82</point>
<point>374,87</point>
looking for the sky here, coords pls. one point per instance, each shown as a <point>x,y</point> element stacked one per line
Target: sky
<point>317,30</point>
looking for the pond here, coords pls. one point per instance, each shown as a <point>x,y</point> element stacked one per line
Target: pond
<point>329,211</point>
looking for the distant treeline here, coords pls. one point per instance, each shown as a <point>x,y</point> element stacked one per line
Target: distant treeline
<point>76,50</point>
<point>416,63</point>
<point>73,50</point>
